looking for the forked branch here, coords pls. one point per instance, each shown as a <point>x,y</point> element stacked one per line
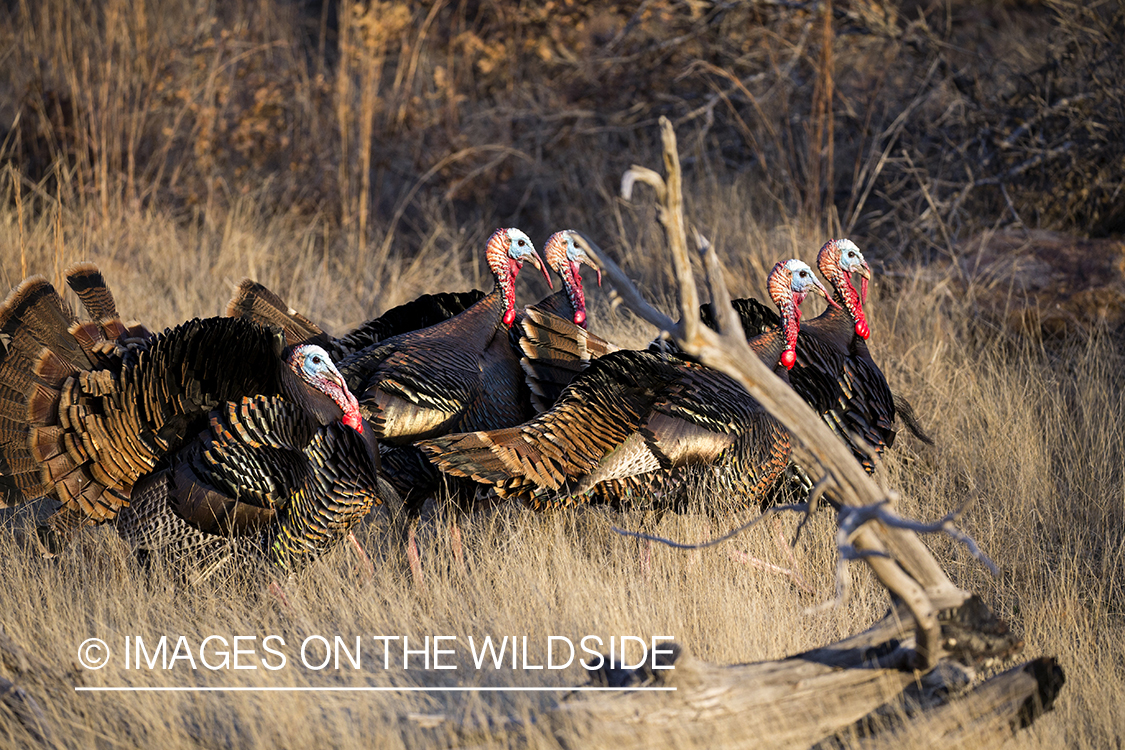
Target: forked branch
<point>895,553</point>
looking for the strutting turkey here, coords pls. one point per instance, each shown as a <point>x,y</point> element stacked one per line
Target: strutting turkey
<point>413,477</point>
<point>639,426</point>
<point>208,430</point>
<point>255,301</point>
<point>833,372</point>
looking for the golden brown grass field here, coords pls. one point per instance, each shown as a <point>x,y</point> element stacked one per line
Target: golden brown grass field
<point>354,155</point>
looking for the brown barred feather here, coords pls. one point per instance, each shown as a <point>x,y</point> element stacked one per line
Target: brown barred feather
<point>547,335</point>
<point>46,442</point>
<point>88,334</point>
<point>553,352</point>
<point>89,284</point>
<point>42,405</point>
<point>52,369</point>
<point>114,329</point>
<point>256,302</point>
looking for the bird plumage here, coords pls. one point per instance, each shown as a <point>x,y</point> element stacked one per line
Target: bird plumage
<point>833,371</point>
<point>256,302</point>
<point>93,409</point>
<point>639,424</point>
<point>431,378</point>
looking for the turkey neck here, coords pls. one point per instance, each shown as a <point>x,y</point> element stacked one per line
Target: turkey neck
<point>769,346</point>
<point>317,404</point>
<point>558,304</point>
<point>478,325</point>
<point>836,325</point>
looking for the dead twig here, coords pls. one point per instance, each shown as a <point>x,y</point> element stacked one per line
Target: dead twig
<point>894,553</point>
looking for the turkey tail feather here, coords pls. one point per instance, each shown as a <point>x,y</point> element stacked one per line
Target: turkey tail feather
<point>37,320</point>
<point>555,351</point>
<point>89,284</point>
<point>87,281</point>
<point>905,412</point>
<point>254,301</point>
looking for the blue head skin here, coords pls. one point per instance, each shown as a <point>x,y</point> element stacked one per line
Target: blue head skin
<point>789,283</point>
<point>838,260</point>
<point>506,252</point>
<point>313,365</point>
<point>566,259</point>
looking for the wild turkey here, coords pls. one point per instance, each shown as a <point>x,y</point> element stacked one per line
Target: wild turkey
<point>92,411</point>
<point>566,259</point>
<point>262,478</point>
<point>834,371</point>
<point>254,301</point>
<point>458,374</point>
<point>641,425</point>
<point>413,476</point>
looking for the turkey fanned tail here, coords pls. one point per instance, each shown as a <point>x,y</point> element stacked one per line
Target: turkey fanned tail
<point>86,409</point>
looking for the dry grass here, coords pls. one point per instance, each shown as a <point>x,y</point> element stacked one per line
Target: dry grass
<point>182,151</point>
<point>1036,434</point>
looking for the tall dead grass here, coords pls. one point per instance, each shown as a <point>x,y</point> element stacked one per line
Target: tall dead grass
<point>910,129</point>
<point>1034,434</point>
<point>354,162</point>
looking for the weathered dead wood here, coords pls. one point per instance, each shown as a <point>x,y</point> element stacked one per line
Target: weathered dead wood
<point>853,689</point>
<point>909,674</point>
<point>921,655</point>
<point>896,555</point>
<point>982,717</point>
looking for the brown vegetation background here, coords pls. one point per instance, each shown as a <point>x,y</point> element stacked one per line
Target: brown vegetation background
<point>354,155</point>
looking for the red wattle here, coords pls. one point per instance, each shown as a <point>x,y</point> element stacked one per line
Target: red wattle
<point>861,329</point>
<point>579,318</point>
<point>509,316</point>
<point>354,420</point>
<point>788,358</point>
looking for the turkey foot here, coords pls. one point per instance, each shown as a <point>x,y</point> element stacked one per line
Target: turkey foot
<point>645,557</point>
<point>366,572</point>
<point>277,593</point>
<point>790,572</point>
<point>414,557</point>
<point>455,544</point>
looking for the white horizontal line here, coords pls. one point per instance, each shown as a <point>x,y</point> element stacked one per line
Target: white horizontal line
<point>364,689</point>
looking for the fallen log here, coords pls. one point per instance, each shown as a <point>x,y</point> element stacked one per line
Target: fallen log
<point>860,690</point>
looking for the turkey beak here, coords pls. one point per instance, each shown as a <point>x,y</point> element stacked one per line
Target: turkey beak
<point>538,263</point>
<point>594,266</point>
<point>336,378</point>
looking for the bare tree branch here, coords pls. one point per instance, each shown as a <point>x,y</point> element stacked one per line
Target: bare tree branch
<point>894,552</point>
